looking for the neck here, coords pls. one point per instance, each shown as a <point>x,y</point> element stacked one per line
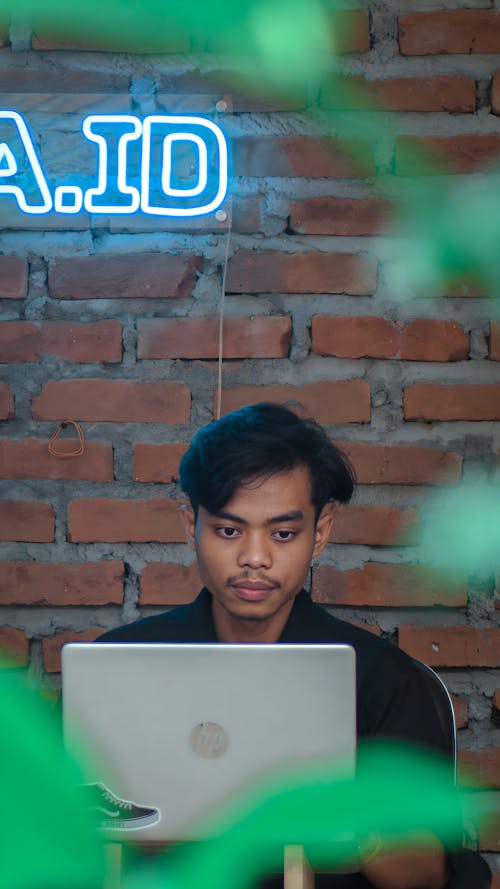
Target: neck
<point>229,628</point>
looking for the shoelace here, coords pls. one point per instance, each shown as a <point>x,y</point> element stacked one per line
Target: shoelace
<point>119,803</point>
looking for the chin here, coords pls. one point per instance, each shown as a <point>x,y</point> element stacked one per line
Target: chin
<point>253,609</point>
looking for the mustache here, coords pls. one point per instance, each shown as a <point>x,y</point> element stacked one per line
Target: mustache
<point>253,578</point>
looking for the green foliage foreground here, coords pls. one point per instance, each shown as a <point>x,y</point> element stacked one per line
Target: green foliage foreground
<point>48,842</point>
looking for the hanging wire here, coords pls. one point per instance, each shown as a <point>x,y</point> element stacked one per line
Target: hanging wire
<point>80,444</point>
<point>222,308</point>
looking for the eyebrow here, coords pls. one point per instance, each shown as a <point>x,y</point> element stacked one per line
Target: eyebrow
<point>294,515</point>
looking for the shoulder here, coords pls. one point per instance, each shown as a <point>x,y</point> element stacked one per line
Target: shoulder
<point>310,622</point>
<point>158,628</point>
<point>379,662</point>
<point>186,623</point>
<point>394,696</point>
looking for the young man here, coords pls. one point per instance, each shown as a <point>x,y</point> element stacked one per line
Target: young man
<point>262,483</point>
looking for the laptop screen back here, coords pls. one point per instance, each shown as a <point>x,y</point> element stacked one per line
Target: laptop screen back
<point>178,729</point>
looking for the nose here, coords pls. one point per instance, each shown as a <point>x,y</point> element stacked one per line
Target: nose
<point>255,551</point>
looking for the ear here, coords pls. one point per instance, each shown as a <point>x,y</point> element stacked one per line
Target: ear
<point>189,523</point>
<point>323,528</point>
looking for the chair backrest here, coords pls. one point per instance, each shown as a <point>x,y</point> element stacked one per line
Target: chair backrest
<point>444,707</point>
<point>469,868</point>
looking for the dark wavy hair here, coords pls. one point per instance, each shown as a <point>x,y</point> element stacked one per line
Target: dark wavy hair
<point>257,442</point>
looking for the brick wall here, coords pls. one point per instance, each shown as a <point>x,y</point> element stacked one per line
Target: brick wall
<point>112,321</point>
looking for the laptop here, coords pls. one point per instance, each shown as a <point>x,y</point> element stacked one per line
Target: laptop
<point>172,731</point>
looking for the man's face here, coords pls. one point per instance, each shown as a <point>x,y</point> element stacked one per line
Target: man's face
<point>254,555</point>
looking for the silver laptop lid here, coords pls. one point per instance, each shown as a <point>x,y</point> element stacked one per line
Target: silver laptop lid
<point>178,729</point>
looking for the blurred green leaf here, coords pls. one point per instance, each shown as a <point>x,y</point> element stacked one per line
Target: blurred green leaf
<point>47,840</point>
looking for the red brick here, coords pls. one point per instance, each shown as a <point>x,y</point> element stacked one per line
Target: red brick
<point>138,31</point>
<point>239,87</point>
<point>304,156</point>
<point>338,216</point>
<point>6,402</point>
<point>113,401</point>
<point>384,585</point>
<point>374,525</point>
<point>416,156</point>
<point>19,341</point>
<point>100,341</point>
<point>461,710</point>
<point>52,645</point>
<point>157,462</point>
<point>483,766</point>
<point>349,34</point>
<point>354,337</point>
<point>34,79</point>
<point>459,646</point>
<point>270,271</point>
<point>495,93</point>
<point>351,30</point>
<point>424,339</point>
<point>244,94</point>
<point>44,39</point>
<point>30,458</point>
<point>259,336</point>
<point>449,31</point>
<point>53,583</point>
<point>495,340</point>
<point>165,583</point>
<point>466,283</point>
<point>113,521</point>
<point>341,401</point>
<point>247,216</point>
<point>24,341</point>
<point>24,520</point>
<point>13,277</point>
<point>495,883</point>
<point>448,92</point>
<point>376,464</point>
<point>14,645</point>
<point>432,401</point>
<point>125,277</point>
<point>489,829</point>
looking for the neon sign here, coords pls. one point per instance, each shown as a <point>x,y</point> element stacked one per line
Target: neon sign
<point>163,165</point>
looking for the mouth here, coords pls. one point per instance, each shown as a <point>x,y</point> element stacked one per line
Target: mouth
<point>252,592</point>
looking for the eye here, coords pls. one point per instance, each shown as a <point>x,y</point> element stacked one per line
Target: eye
<point>227,532</point>
<point>284,535</point>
